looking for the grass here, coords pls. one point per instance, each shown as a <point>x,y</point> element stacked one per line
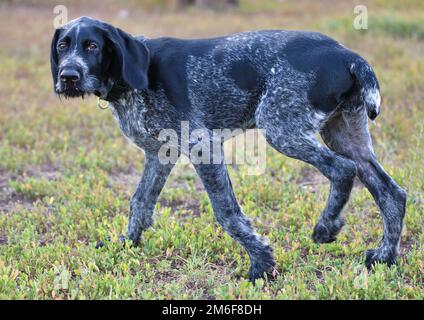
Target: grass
<point>66,174</point>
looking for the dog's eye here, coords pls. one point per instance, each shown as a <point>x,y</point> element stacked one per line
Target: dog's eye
<point>62,45</point>
<point>91,46</point>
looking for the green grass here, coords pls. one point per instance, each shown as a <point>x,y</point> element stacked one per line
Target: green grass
<point>66,175</point>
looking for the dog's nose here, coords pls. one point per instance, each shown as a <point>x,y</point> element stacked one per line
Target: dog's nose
<point>68,75</point>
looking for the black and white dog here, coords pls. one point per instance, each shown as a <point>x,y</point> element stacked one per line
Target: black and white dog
<point>291,84</point>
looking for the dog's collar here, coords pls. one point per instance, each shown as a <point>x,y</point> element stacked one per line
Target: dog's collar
<point>118,88</point>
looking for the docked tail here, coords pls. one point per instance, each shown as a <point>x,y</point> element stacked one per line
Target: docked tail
<point>368,84</point>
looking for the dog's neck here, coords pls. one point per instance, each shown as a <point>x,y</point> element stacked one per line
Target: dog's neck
<point>113,90</point>
<point>116,91</point>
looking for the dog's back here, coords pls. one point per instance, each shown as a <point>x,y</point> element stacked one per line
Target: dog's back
<point>223,79</point>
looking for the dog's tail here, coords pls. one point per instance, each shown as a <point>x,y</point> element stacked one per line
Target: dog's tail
<point>368,84</point>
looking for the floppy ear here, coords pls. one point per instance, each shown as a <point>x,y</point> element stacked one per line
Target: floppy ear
<point>53,57</point>
<point>130,58</point>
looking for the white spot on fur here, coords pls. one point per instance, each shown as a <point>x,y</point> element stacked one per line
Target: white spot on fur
<point>372,97</point>
<point>78,30</point>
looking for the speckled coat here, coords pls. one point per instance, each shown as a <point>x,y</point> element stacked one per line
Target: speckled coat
<point>291,84</point>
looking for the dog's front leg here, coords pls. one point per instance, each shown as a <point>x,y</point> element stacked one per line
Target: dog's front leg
<point>144,199</point>
<point>230,216</point>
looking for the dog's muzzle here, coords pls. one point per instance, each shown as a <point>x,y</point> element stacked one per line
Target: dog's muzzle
<point>69,83</point>
<point>69,76</point>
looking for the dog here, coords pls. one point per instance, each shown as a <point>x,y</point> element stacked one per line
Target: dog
<point>290,84</point>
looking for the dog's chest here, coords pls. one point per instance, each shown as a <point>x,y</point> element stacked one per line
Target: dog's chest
<point>131,113</point>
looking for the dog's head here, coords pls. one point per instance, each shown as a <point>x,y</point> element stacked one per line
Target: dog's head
<point>89,56</point>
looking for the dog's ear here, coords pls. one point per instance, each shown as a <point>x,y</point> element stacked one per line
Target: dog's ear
<point>130,58</point>
<point>53,57</point>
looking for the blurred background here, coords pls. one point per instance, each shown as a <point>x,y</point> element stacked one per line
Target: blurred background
<point>66,172</point>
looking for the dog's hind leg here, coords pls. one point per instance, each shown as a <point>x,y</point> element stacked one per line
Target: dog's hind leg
<point>291,129</point>
<point>230,216</point>
<point>347,133</point>
<point>144,199</point>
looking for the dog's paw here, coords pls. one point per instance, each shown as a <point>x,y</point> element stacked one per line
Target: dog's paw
<point>122,240</point>
<point>131,238</point>
<point>381,255</point>
<point>327,232</point>
<point>267,273</point>
<point>101,244</point>
<point>263,268</point>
